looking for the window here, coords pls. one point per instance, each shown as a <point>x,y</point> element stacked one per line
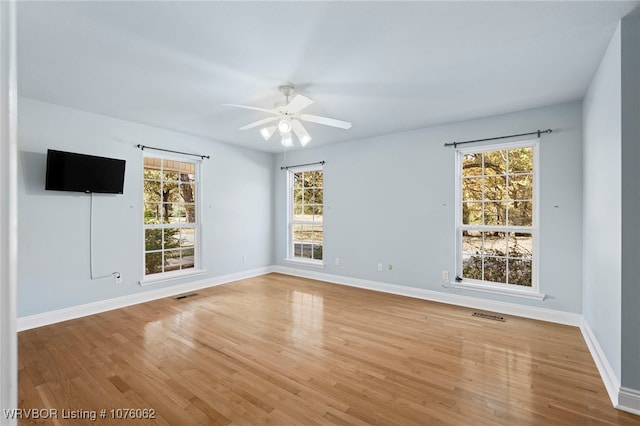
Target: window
<point>496,220</point>
<point>170,216</point>
<point>305,231</point>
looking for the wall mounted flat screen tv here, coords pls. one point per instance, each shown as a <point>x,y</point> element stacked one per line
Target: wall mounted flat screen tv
<point>68,171</point>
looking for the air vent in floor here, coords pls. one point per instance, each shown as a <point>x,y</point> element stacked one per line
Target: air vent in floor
<point>488,316</point>
<point>184,296</point>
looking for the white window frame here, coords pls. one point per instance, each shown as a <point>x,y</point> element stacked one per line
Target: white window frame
<point>532,292</point>
<point>291,222</point>
<point>197,269</point>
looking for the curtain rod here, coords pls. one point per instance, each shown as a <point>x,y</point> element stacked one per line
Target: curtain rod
<point>300,165</point>
<point>537,132</point>
<point>143,147</point>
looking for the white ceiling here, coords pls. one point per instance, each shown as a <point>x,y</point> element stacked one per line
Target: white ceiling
<point>384,66</point>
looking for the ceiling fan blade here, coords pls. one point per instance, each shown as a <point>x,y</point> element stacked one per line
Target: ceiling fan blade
<point>249,107</point>
<point>303,136</point>
<point>298,103</point>
<point>326,121</point>
<point>259,123</point>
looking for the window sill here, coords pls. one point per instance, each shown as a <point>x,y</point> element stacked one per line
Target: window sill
<point>170,276</point>
<point>495,289</point>
<point>312,263</point>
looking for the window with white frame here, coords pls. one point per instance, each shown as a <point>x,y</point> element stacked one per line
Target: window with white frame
<point>305,230</point>
<point>171,224</point>
<point>496,221</point>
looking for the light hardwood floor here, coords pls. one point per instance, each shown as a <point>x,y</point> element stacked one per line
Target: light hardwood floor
<point>283,350</point>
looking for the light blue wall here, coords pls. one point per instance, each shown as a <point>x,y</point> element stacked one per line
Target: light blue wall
<point>390,199</point>
<point>630,64</point>
<point>602,204</point>
<point>237,202</point>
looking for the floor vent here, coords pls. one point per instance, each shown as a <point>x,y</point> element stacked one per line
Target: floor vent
<point>184,296</point>
<point>488,316</point>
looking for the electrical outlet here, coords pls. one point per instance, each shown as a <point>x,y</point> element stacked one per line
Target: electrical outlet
<point>445,276</point>
<point>337,261</point>
<point>118,277</point>
<point>379,266</point>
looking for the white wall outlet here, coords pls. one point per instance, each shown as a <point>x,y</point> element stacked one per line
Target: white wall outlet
<point>445,276</point>
<point>379,266</point>
<point>118,277</point>
<point>337,261</point>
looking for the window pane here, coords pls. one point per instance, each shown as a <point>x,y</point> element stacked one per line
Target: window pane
<point>152,213</point>
<point>495,243</point>
<point>520,213</point>
<point>171,260</point>
<point>318,178</point>
<point>520,187</point>
<point>152,190</point>
<point>187,237</point>
<point>297,197</point>
<point>307,251</point>
<point>520,244</point>
<point>187,192</point>
<point>309,196</point>
<point>317,196</point>
<point>318,235</point>
<point>308,179</point>
<point>187,259</point>
<point>495,188</point>
<point>152,239</point>
<point>170,192</point>
<point>495,162</point>
<point>472,213</point>
<point>520,272</point>
<point>521,160</point>
<point>176,211</point>
<point>472,189</point>
<point>495,213</point>
<point>472,242</point>
<point>472,164</point>
<point>308,212</point>
<point>472,267</point>
<point>297,180</point>
<point>152,174</point>
<point>153,263</point>
<point>317,213</point>
<point>188,169</point>
<point>317,252</point>
<point>297,249</point>
<point>495,269</point>
<point>171,238</point>
<point>190,213</point>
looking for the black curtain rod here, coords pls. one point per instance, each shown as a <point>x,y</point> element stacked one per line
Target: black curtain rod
<point>143,147</point>
<point>537,132</point>
<point>301,165</point>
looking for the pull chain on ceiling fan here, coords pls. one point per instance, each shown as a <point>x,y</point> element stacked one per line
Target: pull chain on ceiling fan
<point>288,119</point>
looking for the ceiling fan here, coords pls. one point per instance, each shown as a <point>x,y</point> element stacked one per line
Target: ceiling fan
<point>287,115</point>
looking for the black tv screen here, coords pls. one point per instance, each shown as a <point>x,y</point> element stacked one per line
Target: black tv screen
<point>68,171</point>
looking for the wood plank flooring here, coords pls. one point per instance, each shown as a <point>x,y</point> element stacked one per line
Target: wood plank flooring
<point>283,350</point>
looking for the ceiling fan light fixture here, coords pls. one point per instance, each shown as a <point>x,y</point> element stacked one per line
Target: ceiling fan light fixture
<point>287,141</point>
<point>267,132</point>
<point>284,125</point>
<point>305,140</point>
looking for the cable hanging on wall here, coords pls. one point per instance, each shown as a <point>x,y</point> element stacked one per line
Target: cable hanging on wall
<point>537,132</point>
<point>301,165</point>
<point>143,147</point>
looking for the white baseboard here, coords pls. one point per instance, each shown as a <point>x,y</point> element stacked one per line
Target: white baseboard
<point>629,401</point>
<point>52,317</point>
<point>532,312</point>
<point>609,377</point>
